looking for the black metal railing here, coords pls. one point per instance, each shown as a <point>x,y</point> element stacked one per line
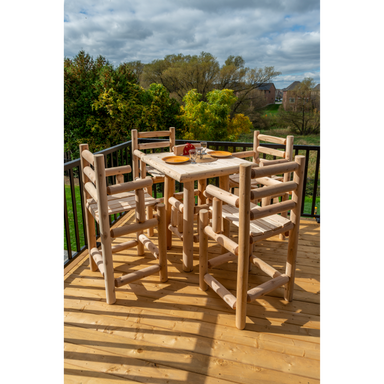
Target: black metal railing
<point>74,205</point>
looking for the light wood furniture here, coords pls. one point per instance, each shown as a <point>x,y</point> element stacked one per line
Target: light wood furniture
<point>140,169</point>
<point>102,201</point>
<point>255,224</point>
<point>282,155</point>
<point>189,173</point>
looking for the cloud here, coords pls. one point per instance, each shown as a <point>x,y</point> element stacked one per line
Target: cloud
<point>284,34</point>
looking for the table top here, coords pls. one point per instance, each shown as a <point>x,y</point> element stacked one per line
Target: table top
<point>191,172</point>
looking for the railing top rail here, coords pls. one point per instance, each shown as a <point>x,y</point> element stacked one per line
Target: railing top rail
<point>76,162</point>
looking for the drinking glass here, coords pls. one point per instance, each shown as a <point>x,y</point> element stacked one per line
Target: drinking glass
<point>203,146</point>
<point>192,155</point>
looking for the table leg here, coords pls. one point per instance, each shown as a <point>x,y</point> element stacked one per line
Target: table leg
<point>169,190</point>
<point>224,184</point>
<point>189,204</point>
<point>202,184</point>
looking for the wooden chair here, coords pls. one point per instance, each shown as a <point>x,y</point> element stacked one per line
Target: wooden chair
<point>102,201</point>
<point>255,224</point>
<point>283,156</point>
<point>140,169</point>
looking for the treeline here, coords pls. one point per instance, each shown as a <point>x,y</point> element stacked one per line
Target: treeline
<point>194,94</point>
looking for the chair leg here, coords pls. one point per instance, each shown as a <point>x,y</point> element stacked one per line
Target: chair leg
<point>106,249</point>
<point>140,217</point>
<point>244,247</point>
<point>150,213</point>
<point>162,234</point>
<point>291,262</point>
<point>203,248</point>
<point>91,236</point>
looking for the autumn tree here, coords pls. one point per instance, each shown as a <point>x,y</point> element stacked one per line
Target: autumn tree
<point>302,115</point>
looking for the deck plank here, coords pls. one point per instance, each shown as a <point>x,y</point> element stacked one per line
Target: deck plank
<point>174,332</point>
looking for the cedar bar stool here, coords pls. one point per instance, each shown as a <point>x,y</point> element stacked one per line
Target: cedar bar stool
<point>284,156</point>
<point>102,201</point>
<point>255,224</point>
<point>142,170</point>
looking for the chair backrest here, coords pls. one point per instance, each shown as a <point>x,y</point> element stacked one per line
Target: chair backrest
<point>94,175</point>
<point>261,174</point>
<point>283,155</point>
<point>294,187</point>
<point>137,147</point>
<point>258,148</point>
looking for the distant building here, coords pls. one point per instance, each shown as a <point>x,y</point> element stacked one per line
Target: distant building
<point>268,89</point>
<point>289,97</point>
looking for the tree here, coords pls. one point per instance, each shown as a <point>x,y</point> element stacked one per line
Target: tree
<point>180,74</point>
<point>80,75</point>
<point>303,115</point>
<point>102,104</point>
<point>211,120</point>
<point>137,68</point>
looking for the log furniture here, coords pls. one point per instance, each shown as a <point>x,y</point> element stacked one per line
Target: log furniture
<point>140,170</point>
<point>102,201</point>
<point>255,224</point>
<point>283,156</point>
<point>189,173</point>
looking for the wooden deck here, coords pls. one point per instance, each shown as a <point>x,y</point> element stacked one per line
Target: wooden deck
<point>176,333</point>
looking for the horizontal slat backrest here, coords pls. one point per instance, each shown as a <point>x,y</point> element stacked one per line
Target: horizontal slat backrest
<point>273,169</point>
<point>154,134</point>
<point>287,153</point>
<point>274,188</point>
<point>138,147</point>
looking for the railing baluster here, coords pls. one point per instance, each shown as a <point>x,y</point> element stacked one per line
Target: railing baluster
<point>83,208</point>
<point>305,179</point>
<point>316,181</point>
<point>74,209</point>
<point>66,226</point>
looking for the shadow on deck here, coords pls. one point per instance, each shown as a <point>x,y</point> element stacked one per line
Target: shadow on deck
<point>176,333</point>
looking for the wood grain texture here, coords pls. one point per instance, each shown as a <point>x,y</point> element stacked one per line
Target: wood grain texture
<point>173,331</point>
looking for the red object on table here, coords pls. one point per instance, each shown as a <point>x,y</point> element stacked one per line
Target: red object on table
<point>186,149</point>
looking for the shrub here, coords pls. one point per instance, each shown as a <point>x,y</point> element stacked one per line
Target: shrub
<point>211,120</point>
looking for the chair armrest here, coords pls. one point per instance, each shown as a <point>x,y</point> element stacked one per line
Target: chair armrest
<point>118,170</point>
<point>129,186</point>
<point>242,155</point>
<point>229,198</point>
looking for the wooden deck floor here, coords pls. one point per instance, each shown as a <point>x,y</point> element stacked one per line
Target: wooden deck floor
<point>175,333</point>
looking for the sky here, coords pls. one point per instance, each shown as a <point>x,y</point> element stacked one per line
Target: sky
<point>284,34</point>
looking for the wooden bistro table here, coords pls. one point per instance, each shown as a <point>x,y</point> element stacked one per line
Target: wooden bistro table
<point>187,174</point>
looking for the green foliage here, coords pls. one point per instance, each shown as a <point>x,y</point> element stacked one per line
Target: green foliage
<point>102,104</point>
<point>211,120</point>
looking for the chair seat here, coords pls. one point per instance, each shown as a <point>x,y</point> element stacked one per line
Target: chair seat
<point>234,181</point>
<point>120,202</point>
<point>258,227</point>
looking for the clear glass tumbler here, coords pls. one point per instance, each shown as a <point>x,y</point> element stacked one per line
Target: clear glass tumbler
<point>203,146</point>
<point>192,155</point>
